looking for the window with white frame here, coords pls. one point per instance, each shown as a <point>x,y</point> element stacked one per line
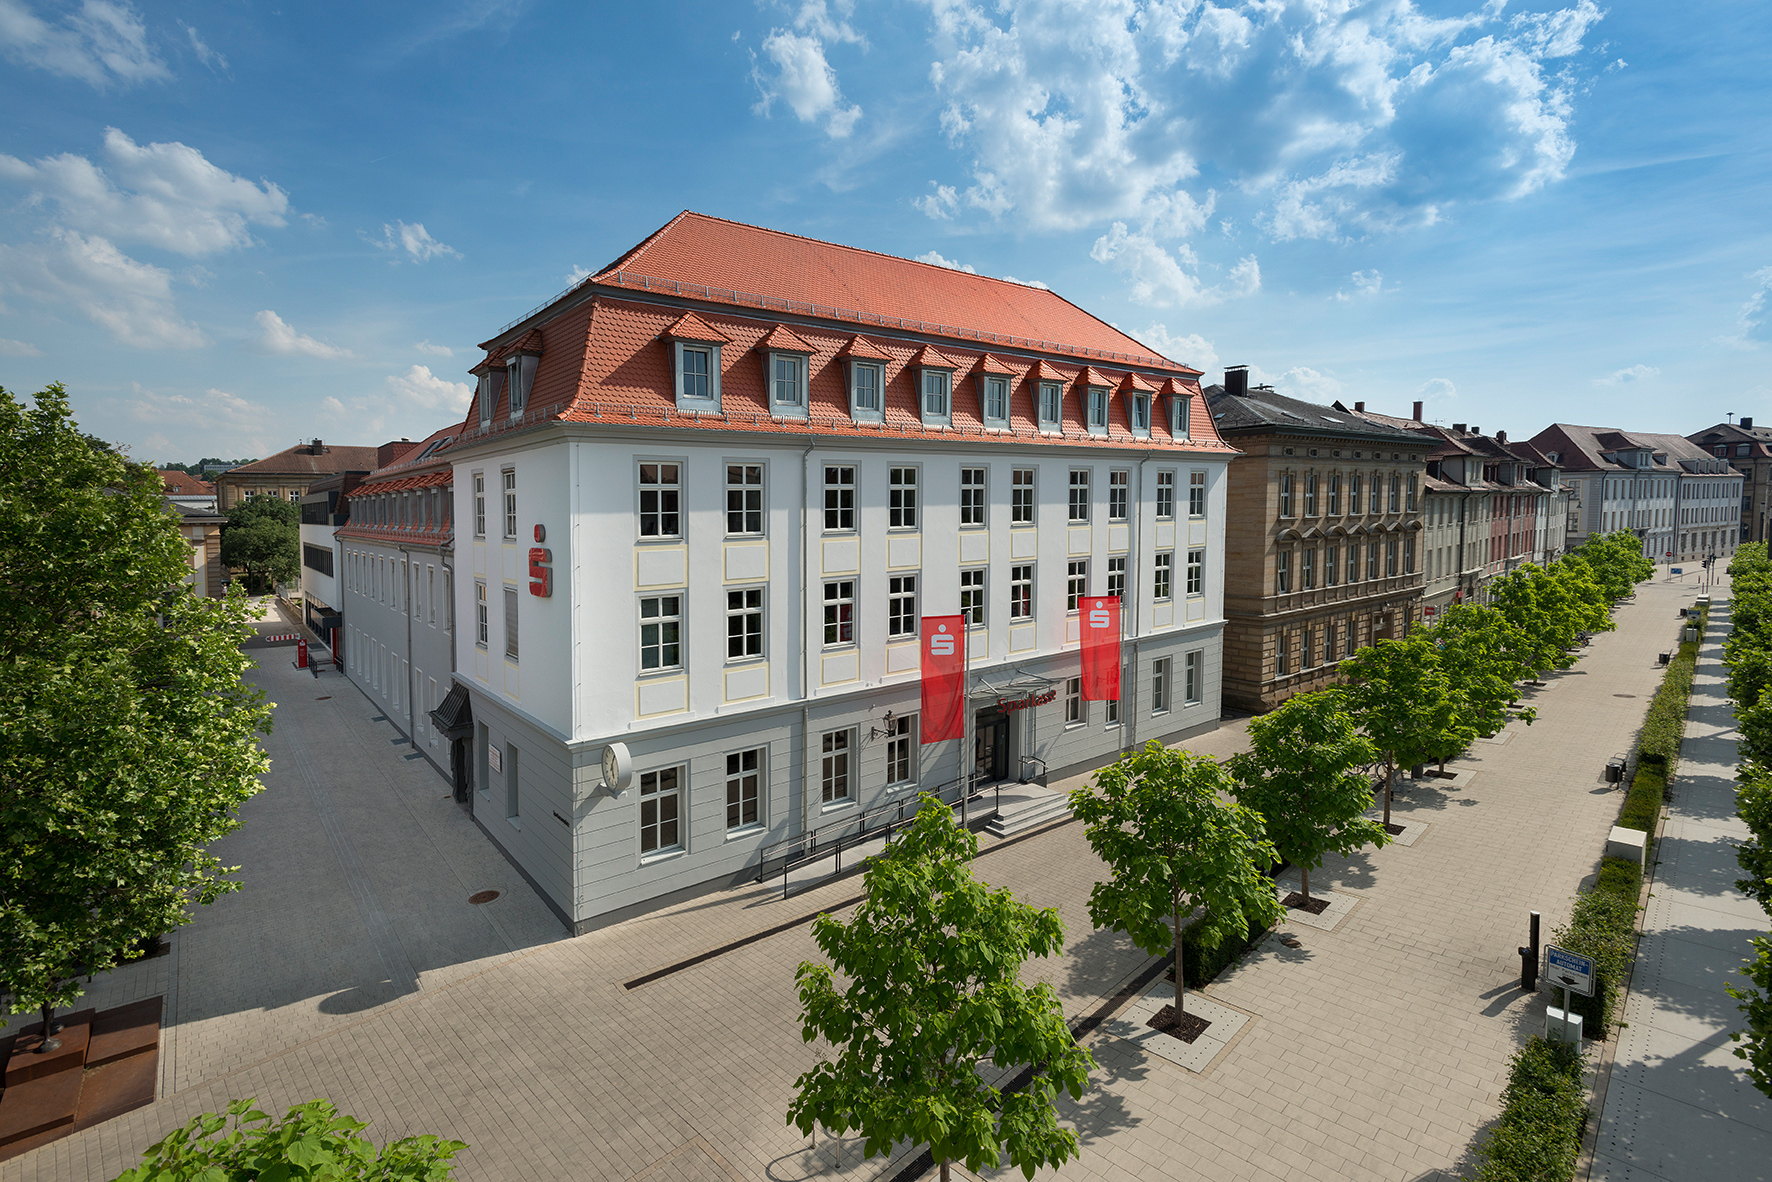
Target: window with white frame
<point>1196,494</point>
<point>1138,411</point>
<point>901,750</point>
<point>972,596</point>
<point>1372,559</point>
<point>661,632</point>
<point>698,375</point>
<point>972,496</point>
<point>901,605</point>
<point>1283,653</point>
<point>1308,654</point>
<point>481,624</point>
<point>1396,492</point>
<point>510,483</point>
<point>1076,583</point>
<point>1307,569</point>
<point>866,391</point>
<point>1165,495</point>
<point>744,499</point>
<point>1196,572</point>
<point>839,612</point>
<point>1116,577</point>
<point>479,504</point>
<point>1390,556</point>
<point>1329,643</point>
<point>661,809</point>
<point>1310,494</point>
<point>1073,702</point>
<point>1335,494</point>
<point>1193,676</point>
<point>510,623</point>
<point>744,789</point>
<point>1021,592</point>
<point>1285,494</point>
<point>1409,555</point>
<point>1079,494</point>
<point>744,623</point>
<point>937,399</point>
<point>996,400</point>
<point>787,384</point>
<point>1410,503</point>
<point>834,767</point>
<point>1353,494</point>
<point>1282,572</point>
<point>1119,485</point>
<point>901,498</point>
<point>1097,402</point>
<point>839,497</point>
<point>1353,562</point>
<point>1181,411</point>
<point>1163,576</point>
<point>1021,496</point>
<point>661,495</point>
<point>1051,406</point>
<point>1111,711</point>
<point>1160,686</point>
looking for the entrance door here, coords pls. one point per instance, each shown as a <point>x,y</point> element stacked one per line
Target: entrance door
<point>991,747</point>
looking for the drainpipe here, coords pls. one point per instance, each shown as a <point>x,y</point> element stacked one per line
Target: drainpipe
<point>806,776</point>
<point>1129,719</point>
<point>406,607</point>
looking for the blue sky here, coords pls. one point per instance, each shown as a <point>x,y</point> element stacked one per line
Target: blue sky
<point>228,227</point>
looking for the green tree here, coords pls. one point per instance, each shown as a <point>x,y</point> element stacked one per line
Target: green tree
<point>1753,804</point>
<point>1756,1005</point>
<point>1617,561</point>
<point>933,960</point>
<point>263,538</point>
<point>1162,821</point>
<point>1484,655</point>
<point>1548,610</point>
<point>312,1142</point>
<point>127,736</point>
<point>1305,773</point>
<point>1400,695</point>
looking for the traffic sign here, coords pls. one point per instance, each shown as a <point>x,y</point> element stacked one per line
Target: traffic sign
<point>1569,970</point>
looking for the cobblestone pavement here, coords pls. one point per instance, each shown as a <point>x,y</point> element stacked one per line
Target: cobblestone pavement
<point>352,967</point>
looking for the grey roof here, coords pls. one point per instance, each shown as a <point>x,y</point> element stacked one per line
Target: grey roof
<point>1264,410</point>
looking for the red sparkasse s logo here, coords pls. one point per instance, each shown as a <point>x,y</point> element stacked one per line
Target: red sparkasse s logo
<point>1101,648</point>
<point>944,679</point>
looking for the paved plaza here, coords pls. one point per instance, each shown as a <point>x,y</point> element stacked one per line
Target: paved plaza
<point>352,966</point>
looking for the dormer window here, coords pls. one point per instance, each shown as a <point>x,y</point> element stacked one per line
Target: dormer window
<point>492,384</point>
<point>1095,403</point>
<point>1051,407</point>
<point>866,391</point>
<point>1181,414</point>
<point>787,366</point>
<point>1138,408</point>
<point>520,377</point>
<point>993,400</point>
<point>935,387</point>
<point>695,363</point>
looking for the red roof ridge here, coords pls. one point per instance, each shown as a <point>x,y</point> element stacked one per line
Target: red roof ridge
<point>1133,382</point>
<point>934,358</point>
<point>989,364</point>
<point>783,337</point>
<point>690,327</point>
<point>860,346</point>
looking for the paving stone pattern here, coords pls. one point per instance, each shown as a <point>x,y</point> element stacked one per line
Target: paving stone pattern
<point>352,967</point>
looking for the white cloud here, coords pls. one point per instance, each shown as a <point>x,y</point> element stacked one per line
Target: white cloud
<point>279,337</point>
<point>1366,283</point>
<point>419,388</point>
<point>206,55</point>
<point>1308,385</point>
<point>415,240</point>
<point>1035,283</point>
<point>1164,279</point>
<point>1193,349</point>
<point>1438,390</point>
<point>801,76</point>
<point>163,195</point>
<point>1624,377</point>
<point>578,276</point>
<point>213,422</point>
<point>935,257</point>
<point>101,43</point>
<point>129,299</point>
<point>11,348</point>
<point>1755,318</point>
<point>426,347</point>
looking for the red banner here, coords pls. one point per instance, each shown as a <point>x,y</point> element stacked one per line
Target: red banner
<point>1101,648</point>
<point>944,679</point>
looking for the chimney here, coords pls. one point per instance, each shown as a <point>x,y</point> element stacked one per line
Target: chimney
<point>1359,408</point>
<point>316,448</point>
<point>1501,437</point>
<point>1236,380</point>
<point>387,453</point>
<point>1476,430</point>
<point>1747,422</point>
<point>1418,412</point>
<point>1458,427</point>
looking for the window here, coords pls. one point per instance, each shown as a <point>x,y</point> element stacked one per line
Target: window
<point>1196,494</point>
<point>1372,560</point>
<point>1138,410</point>
<point>1329,643</point>
<point>1076,582</point>
<point>1051,402</point>
<point>1285,494</point>
<point>1166,495</point>
<point>1021,496</point>
<point>996,400</point>
<point>839,497</point>
<point>660,497</point>
<point>510,483</point>
<point>1335,494</point>
<point>1409,555</point>
<point>480,625</point>
<point>787,383</point>
<point>1196,572</point>
<point>660,796</point>
<point>1410,504</point>
<point>693,373</point>
<point>937,385</point>
<point>972,596</point>
<point>1283,655</point>
<point>901,749</point>
<point>1309,653</point>
<point>901,498</point>
<point>1021,592</point>
<point>744,623</point>
<point>661,631</point>
<point>1193,676</point>
<point>1079,494</point>
<point>1282,572</point>
<point>901,605</point>
<point>839,612</point>
<point>744,788</point>
<point>1310,494</point>
<point>744,498</point>
<point>1073,701</point>
<point>1395,491</point>
<point>1307,569</point>
<point>1160,686</point>
<point>1181,415</point>
<point>1331,565</point>
<point>1116,577</point>
<point>479,504</point>
<point>513,805</point>
<point>1118,485</point>
<point>1353,495</point>
<point>1353,562</point>
<point>1390,556</point>
<point>1098,410</point>
<point>1162,581</point>
<point>834,767</point>
<point>864,391</point>
<point>972,496</point>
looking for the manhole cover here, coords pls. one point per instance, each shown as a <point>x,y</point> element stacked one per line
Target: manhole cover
<point>482,896</point>
<point>1624,695</point>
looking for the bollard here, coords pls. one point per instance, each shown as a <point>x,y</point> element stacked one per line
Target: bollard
<point>1529,959</point>
<point>301,653</point>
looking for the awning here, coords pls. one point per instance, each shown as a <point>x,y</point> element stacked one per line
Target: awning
<point>454,717</point>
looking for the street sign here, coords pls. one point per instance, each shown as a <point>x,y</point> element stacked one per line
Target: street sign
<point>1569,971</point>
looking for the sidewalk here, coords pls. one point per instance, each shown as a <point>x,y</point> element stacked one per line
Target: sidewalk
<point>1679,1104</point>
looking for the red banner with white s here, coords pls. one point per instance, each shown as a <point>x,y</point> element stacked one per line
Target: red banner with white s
<point>944,679</point>
<point>1101,648</point>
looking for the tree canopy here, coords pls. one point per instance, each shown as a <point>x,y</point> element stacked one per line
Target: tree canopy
<point>932,961</point>
<point>1400,695</point>
<point>128,738</point>
<point>263,538</point>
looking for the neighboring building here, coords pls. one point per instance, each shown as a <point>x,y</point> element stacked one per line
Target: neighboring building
<point>1681,500</point>
<point>706,498</point>
<point>182,488</point>
<point>324,507</point>
<point>202,529</point>
<point>288,474</point>
<point>1749,451</point>
<point>1324,511</point>
<point>394,569</point>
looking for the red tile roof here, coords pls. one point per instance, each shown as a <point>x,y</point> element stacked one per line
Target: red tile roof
<point>178,483</point>
<point>782,337</point>
<point>932,358</point>
<point>300,460</point>
<point>690,327</point>
<point>860,346</point>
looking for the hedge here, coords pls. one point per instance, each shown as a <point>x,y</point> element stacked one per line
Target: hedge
<point>1200,963</point>
<point>1543,1116</point>
<point>1658,745</point>
<point>1604,926</point>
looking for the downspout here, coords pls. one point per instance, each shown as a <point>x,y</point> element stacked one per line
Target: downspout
<point>1129,721</point>
<point>806,776</point>
<point>406,609</point>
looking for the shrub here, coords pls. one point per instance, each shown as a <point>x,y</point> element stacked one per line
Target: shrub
<point>1604,926</point>
<point>1202,962</point>
<point>1543,1116</point>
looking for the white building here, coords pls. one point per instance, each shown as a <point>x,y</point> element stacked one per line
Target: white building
<point>700,526</point>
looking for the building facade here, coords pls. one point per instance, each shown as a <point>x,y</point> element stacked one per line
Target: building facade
<point>182,488</point>
<point>1325,517</point>
<point>1749,451</point>
<point>324,507</point>
<point>705,500</point>
<point>201,528</point>
<point>288,474</point>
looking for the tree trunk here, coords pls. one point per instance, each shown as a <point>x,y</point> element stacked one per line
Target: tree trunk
<point>48,1044</point>
<point>1180,978</point>
<point>944,1170</point>
<point>1390,775</point>
<point>1304,875</point>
